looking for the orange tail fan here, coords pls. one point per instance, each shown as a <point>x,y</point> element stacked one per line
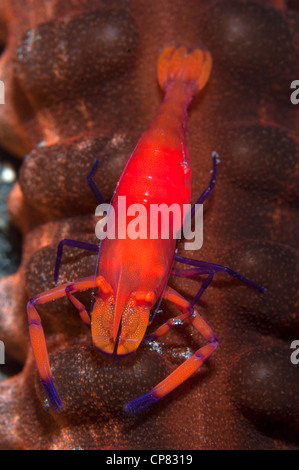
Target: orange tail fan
<point>178,64</point>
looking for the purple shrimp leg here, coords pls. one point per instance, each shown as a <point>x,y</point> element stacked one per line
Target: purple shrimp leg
<point>76,243</point>
<point>93,185</point>
<point>195,272</point>
<point>210,268</point>
<point>186,273</point>
<point>215,268</point>
<point>36,331</point>
<point>209,189</point>
<point>187,368</point>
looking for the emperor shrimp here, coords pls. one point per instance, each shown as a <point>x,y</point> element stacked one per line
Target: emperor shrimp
<point>133,273</point>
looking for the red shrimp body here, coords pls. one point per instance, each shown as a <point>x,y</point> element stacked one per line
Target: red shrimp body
<point>134,272</point>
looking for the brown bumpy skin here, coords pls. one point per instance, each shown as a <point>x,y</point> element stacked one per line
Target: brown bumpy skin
<point>81,83</point>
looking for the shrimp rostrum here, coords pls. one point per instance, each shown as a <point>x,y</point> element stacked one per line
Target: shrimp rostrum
<point>133,272</point>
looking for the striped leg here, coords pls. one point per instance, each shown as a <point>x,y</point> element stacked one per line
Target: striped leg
<point>180,318</point>
<point>187,368</point>
<point>69,291</point>
<point>36,331</point>
<point>166,326</point>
